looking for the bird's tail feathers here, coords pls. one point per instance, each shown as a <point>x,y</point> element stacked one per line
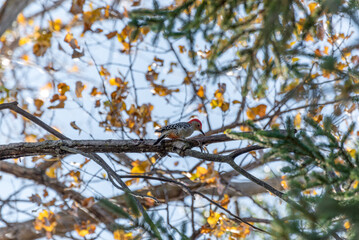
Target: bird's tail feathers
<point>159,139</point>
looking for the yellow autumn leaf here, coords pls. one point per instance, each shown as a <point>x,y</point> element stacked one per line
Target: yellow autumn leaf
<point>50,172</point>
<point>21,19</point>
<point>341,66</point>
<point>213,218</point>
<point>297,120</point>
<point>46,220</point>
<point>25,57</point>
<point>295,59</point>
<point>153,160</point>
<point>312,7</point>
<point>326,48</point>
<point>351,152</point>
<point>225,201</point>
<point>250,114</point>
<point>113,82</point>
<point>284,184</point>
<point>355,184</point>
<point>214,103</point>
<point>140,166</point>
<point>121,235</point>
<point>24,40</point>
<point>30,138</point>
<point>201,171</point>
<point>85,228</point>
<point>56,25</point>
<point>308,38</point>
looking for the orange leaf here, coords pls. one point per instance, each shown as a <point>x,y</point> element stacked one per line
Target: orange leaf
<point>326,50</point>
<point>69,38</point>
<point>38,104</point>
<point>111,34</point>
<point>259,110</point>
<point>88,202</point>
<point>317,53</point>
<point>63,88</point>
<point>312,7</point>
<point>201,171</point>
<point>200,92</point>
<point>182,49</point>
<point>104,72</point>
<point>308,38</point>
<point>347,224</point>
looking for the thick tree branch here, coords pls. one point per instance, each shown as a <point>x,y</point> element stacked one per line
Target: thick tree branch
<point>16,150</point>
<point>60,147</point>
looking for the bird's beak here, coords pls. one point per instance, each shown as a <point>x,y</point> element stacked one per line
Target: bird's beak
<point>202,132</point>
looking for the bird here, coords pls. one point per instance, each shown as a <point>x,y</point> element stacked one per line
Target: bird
<point>179,130</point>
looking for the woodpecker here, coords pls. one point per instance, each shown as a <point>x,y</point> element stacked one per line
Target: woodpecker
<point>179,130</point>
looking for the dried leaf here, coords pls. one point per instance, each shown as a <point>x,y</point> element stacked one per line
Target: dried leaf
<point>320,30</point>
<point>111,34</point>
<point>38,104</point>
<point>94,92</point>
<point>35,198</point>
<point>88,202</point>
<point>74,126</point>
<point>63,88</point>
<point>79,88</point>
<point>77,6</point>
<point>77,54</point>
<point>69,38</point>
<point>136,3</point>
